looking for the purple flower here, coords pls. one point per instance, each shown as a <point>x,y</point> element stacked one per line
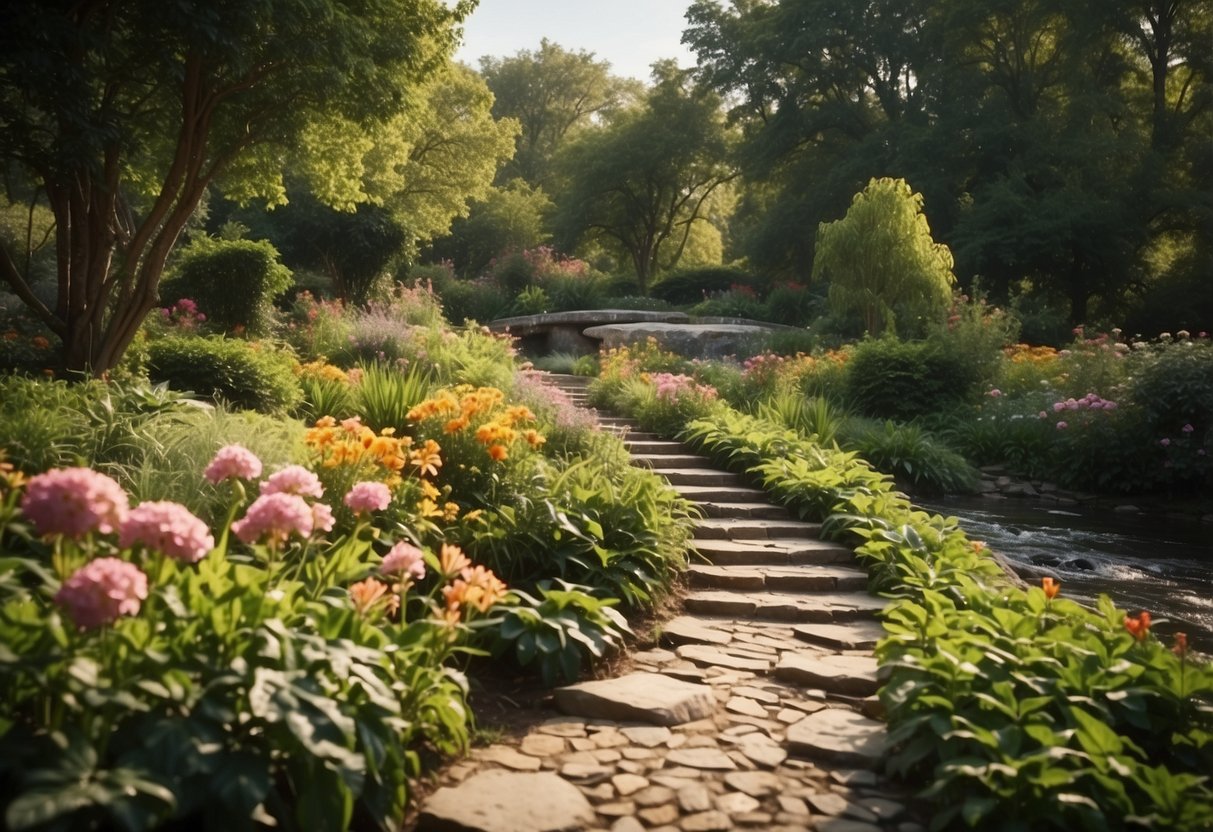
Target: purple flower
<point>1165,442</point>
<point>101,591</point>
<point>74,502</point>
<point>1188,428</point>
<point>169,528</point>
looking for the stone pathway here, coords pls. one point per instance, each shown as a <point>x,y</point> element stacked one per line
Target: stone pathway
<point>757,712</point>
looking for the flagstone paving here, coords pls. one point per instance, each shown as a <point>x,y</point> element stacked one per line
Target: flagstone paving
<point>756,711</point>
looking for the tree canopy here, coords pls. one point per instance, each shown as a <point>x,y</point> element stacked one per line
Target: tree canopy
<point>119,115</point>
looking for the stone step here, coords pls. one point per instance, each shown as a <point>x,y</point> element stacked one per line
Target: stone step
<point>857,635</point>
<point>791,578</point>
<point>720,493</point>
<point>617,421</point>
<point>776,552</point>
<point>744,510</point>
<point>654,446</point>
<point>704,477</point>
<point>743,528</point>
<point>673,460</point>
<point>797,607</point>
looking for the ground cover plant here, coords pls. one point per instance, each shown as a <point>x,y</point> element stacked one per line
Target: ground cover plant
<point>1012,708</point>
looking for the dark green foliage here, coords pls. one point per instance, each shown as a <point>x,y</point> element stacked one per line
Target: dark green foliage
<point>738,302</point>
<point>234,282</point>
<point>914,458</point>
<point>692,285</point>
<point>246,375</point>
<point>474,300</point>
<point>793,304</point>
<point>892,379</point>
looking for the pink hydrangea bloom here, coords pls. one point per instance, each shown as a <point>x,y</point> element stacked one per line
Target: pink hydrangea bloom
<point>293,479</point>
<point>276,516</point>
<point>74,502</point>
<point>102,590</point>
<point>404,558</point>
<point>169,528</point>
<point>322,518</point>
<point>233,461</point>
<point>367,497</point>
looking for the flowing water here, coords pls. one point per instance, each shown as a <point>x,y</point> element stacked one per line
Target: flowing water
<point>1159,564</point>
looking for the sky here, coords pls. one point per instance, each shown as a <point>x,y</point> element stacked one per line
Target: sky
<point>630,34</point>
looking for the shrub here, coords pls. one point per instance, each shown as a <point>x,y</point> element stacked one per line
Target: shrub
<point>792,304</point>
<point>384,395</point>
<point>246,375</point>
<point>572,291</point>
<point>913,457</point>
<point>687,286</point>
<point>734,302</point>
<point>317,329</point>
<point>813,418</point>
<point>474,300</point>
<point>234,282</point>
<point>893,379</point>
<point>327,391</point>
<point>977,334</point>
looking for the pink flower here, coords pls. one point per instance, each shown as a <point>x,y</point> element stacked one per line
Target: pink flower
<point>275,516</point>
<point>404,557</point>
<point>1188,428</point>
<point>1164,442</point>
<point>1042,415</point>
<point>994,393</point>
<point>293,479</point>
<point>233,461</point>
<point>1058,407</point>
<point>102,590</point>
<point>368,497</point>
<point>1062,425</point>
<point>74,502</point>
<point>169,528</point>
<point>322,518</point>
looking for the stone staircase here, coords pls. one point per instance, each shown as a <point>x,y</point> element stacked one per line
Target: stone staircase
<point>756,711</point>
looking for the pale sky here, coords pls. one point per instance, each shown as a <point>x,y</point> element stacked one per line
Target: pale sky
<point>630,34</point>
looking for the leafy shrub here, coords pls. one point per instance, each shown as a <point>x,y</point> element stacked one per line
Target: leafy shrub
<point>317,329</point>
<point>977,334</point>
<point>734,302</point>
<point>912,456</point>
<point>327,391</point>
<point>557,631</point>
<point>792,304</point>
<point>686,286</point>
<point>234,282</point>
<point>893,379</point>
<point>378,335</point>
<point>474,300</point>
<point>572,292</point>
<point>531,300</point>
<point>247,375</point>
<point>813,418</point>
<point>384,395</point>
<point>1173,386</point>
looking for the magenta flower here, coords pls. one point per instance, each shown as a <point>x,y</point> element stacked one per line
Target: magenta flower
<point>74,502</point>
<point>994,393</point>
<point>102,590</point>
<point>233,461</point>
<point>322,518</point>
<point>169,528</point>
<point>404,558</point>
<point>275,516</point>
<point>293,479</point>
<point>368,497</point>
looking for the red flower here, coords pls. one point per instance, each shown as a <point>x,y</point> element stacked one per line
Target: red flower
<point>1139,626</point>
<point>1181,645</point>
<point>1050,586</point>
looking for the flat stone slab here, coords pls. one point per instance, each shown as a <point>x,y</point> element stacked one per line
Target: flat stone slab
<point>726,493</point>
<point>857,635</point>
<point>741,528</point>
<point>840,735</point>
<point>792,577</point>
<point>772,552</point>
<point>847,675</point>
<point>708,656</point>
<point>748,509</point>
<point>654,698</point>
<point>679,477</point>
<point>504,801</point>
<point>830,607</point>
<point>689,629</point>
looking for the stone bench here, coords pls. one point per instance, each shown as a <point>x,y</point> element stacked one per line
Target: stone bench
<point>564,331</point>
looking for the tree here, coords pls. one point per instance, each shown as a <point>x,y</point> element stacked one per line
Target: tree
<point>648,178</point>
<point>881,260</point>
<point>507,218</point>
<point>120,114</point>
<point>553,93</point>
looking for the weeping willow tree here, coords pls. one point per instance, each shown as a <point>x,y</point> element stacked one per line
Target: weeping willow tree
<point>881,261</point>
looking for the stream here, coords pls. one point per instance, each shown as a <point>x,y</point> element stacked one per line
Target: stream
<point>1144,562</point>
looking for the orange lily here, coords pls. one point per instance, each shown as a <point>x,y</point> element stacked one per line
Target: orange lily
<point>1139,626</point>
<point>1050,586</point>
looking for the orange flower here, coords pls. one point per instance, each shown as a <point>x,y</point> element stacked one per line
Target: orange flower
<point>478,588</point>
<point>1050,586</point>
<point>427,458</point>
<point>366,594</point>
<point>978,546</point>
<point>533,438</point>
<point>428,508</point>
<point>455,425</point>
<point>498,452</point>
<point>1139,626</point>
<point>1181,645</point>
<point>452,561</point>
